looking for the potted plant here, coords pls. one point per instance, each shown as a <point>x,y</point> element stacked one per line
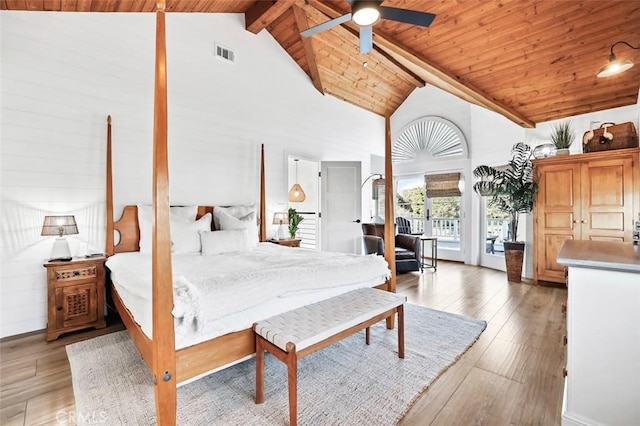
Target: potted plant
<point>562,137</point>
<point>512,190</point>
<point>294,221</point>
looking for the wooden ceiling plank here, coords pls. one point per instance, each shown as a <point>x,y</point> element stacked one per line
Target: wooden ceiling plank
<point>396,50</point>
<point>461,87</point>
<point>302,23</point>
<point>496,27</point>
<point>551,113</point>
<point>540,50</point>
<point>354,69</point>
<point>263,13</point>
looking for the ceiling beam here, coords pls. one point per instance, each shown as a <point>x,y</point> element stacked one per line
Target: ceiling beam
<point>303,23</point>
<point>429,72</point>
<point>263,13</point>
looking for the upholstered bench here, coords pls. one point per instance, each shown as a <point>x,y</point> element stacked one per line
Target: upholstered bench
<point>297,333</point>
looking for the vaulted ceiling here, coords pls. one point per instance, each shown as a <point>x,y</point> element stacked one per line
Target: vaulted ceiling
<point>531,61</point>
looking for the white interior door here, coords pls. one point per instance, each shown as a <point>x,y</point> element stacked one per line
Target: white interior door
<point>341,206</point>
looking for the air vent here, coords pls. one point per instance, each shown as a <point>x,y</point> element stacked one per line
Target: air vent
<point>225,54</point>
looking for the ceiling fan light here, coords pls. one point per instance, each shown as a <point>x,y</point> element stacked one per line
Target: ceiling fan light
<point>614,67</point>
<point>365,13</point>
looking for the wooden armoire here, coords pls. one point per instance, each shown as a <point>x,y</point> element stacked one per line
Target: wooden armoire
<point>593,196</point>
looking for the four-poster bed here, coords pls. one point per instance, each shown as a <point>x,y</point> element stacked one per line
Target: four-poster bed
<point>171,366</point>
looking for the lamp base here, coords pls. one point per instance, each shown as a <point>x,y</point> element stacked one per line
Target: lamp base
<point>282,232</point>
<point>60,251</point>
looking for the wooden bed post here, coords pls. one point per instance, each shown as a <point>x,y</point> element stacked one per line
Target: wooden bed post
<point>263,208</point>
<point>109,237</point>
<point>163,342</point>
<point>389,214</point>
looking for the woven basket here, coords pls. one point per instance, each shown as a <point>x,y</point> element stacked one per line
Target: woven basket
<point>514,256</point>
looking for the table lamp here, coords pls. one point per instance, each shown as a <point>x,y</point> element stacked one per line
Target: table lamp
<point>59,225</point>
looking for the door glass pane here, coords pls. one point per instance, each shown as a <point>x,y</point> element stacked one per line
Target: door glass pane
<point>410,204</point>
<point>445,221</point>
<point>497,226</point>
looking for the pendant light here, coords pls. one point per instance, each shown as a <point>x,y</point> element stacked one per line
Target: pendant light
<point>296,194</point>
<point>614,65</point>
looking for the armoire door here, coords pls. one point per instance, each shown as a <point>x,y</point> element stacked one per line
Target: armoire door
<point>558,216</point>
<point>607,200</point>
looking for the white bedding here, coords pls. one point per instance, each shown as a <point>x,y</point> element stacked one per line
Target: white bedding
<point>219,294</point>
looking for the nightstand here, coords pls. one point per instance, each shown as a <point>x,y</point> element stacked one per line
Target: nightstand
<point>75,292</point>
<point>289,243</point>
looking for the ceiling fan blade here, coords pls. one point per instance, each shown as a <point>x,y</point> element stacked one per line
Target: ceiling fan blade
<point>326,25</point>
<point>366,39</point>
<point>413,17</point>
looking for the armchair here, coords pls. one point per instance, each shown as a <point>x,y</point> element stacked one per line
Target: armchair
<point>408,256</point>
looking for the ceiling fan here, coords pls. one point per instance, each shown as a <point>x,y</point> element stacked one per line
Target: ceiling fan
<point>365,13</point>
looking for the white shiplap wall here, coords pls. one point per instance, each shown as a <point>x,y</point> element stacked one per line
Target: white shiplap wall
<point>61,74</point>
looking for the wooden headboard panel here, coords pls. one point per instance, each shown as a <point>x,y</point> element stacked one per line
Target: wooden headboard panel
<point>127,227</point>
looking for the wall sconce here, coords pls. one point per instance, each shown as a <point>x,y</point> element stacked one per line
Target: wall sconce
<point>281,219</point>
<point>296,194</point>
<point>616,66</point>
<point>59,225</point>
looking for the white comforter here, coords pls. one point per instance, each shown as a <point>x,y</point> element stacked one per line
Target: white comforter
<point>212,288</point>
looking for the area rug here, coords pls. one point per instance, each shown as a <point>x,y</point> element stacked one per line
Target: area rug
<point>345,383</point>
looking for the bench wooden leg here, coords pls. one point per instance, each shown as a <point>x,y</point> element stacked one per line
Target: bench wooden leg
<point>401,331</point>
<point>259,371</point>
<point>292,373</point>
<point>367,335</point>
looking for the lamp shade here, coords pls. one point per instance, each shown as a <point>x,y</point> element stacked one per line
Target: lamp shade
<point>59,225</point>
<point>614,65</point>
<point>296,194</point>
<point>281,218</point>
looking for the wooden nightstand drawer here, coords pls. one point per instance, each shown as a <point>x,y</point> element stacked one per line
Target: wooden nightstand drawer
<point>75,295</point>
<point>74,274</point>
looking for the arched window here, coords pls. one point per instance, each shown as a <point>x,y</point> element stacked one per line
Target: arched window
<point>436,135</point>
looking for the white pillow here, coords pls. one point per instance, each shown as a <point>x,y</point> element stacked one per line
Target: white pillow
<point>248,222</point>
<point>185,236</point>
<point>235,211</point>
<point>218,242</point>
<point>145,221</point>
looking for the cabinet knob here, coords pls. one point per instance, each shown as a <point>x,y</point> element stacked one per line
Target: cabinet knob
<point>583,221</point>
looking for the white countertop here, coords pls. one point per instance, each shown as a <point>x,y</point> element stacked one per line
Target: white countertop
<point>600,255</point>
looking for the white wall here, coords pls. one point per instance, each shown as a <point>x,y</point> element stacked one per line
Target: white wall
<point>61,74</point>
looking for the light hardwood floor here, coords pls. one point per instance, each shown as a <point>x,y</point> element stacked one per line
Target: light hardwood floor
<point>511,376</point>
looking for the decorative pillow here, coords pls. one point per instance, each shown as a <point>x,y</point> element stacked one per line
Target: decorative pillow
<point>145,222</point>
<point>235,211</point>
<point>248,222</point>
<point>185,236</point>
<point>218,242</point>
